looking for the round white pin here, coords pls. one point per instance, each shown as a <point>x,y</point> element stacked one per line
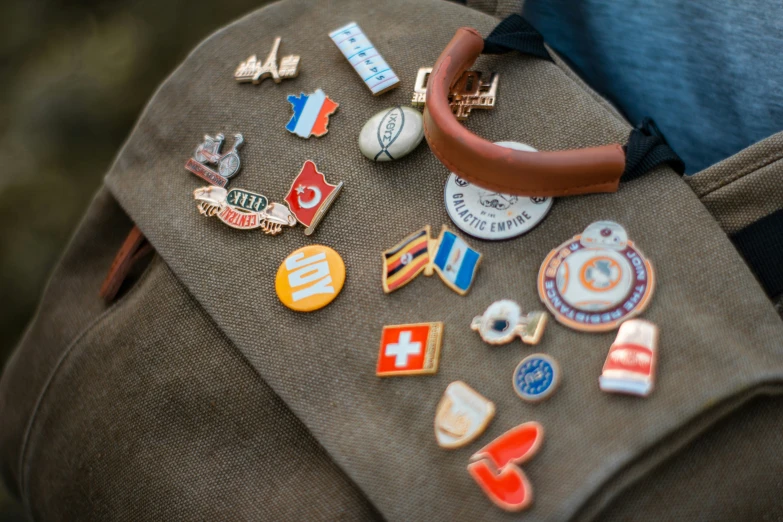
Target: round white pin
<point>391,134</point>
<point>486,214</point>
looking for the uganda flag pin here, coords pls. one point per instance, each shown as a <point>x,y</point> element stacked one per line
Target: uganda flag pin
<point>407,259</point>
<point>450,256</point>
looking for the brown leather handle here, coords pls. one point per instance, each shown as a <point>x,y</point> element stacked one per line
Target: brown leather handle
<point>562,173</point>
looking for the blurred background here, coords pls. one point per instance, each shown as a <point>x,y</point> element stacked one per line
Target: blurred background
<point>76,75</point>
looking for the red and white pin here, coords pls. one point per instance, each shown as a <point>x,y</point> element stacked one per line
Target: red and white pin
<point>409,349</point>
<point>311,196</point>
<point>630,364</point>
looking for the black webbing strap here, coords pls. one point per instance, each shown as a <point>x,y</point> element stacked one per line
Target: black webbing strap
<point>516,34</point>
<point>761,244</point>
<point>646,149</point>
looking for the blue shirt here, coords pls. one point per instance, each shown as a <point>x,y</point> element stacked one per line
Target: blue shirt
<point>710,73</point>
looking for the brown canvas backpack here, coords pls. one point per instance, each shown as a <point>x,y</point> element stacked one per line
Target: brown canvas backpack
<point>196,395</point>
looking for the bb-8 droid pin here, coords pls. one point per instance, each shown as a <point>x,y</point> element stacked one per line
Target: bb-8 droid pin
<point>597,279</point>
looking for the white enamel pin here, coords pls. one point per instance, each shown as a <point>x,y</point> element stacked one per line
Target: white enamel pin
<point>596,280</point>
<point>462,415</point>
<point>503,321</point>
<point>364,58</point>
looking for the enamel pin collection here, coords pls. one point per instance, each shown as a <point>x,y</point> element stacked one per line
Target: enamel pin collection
<point>308,200</point>
<point>595,282</point>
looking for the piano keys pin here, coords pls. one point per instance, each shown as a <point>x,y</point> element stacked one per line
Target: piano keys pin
<point>254,71</point>
<point>468,93</point>
<point>365,59</point>
<point>209,153</point>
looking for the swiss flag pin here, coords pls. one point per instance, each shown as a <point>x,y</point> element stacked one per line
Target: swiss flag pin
<point>409,349</point>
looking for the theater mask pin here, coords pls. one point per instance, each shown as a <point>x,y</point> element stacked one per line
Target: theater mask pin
<point>632,359</point>
<point>310,278</point>
<point>503,321</point>
<point>536,377</point>
<point>491,215</point>
<point>252,70</point>
<point>311,114</point>
<point>597,279</point>
<point>391,134</point>
<point>462,415</point>
<point>409,349</point>
<point>243,210</point>
<point>209,153</point>
<point>311,196</point>
<point>496,466</point>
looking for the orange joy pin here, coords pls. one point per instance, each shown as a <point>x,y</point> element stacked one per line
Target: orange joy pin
<point>310,278</point>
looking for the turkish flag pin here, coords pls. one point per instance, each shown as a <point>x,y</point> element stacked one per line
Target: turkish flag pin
<point>311,196</point>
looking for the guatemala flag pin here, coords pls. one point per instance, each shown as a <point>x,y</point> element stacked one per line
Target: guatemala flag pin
<point>455,261</point>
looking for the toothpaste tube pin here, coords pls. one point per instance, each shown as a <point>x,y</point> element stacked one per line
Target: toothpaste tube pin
<point>632,359</point>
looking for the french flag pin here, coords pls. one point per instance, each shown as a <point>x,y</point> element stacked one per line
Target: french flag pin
<point>311,114</point>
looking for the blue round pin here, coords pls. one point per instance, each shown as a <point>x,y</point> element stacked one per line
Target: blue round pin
<point>536,377</point>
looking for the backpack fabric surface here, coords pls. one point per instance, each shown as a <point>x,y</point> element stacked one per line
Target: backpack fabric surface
<point>197,395</point>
